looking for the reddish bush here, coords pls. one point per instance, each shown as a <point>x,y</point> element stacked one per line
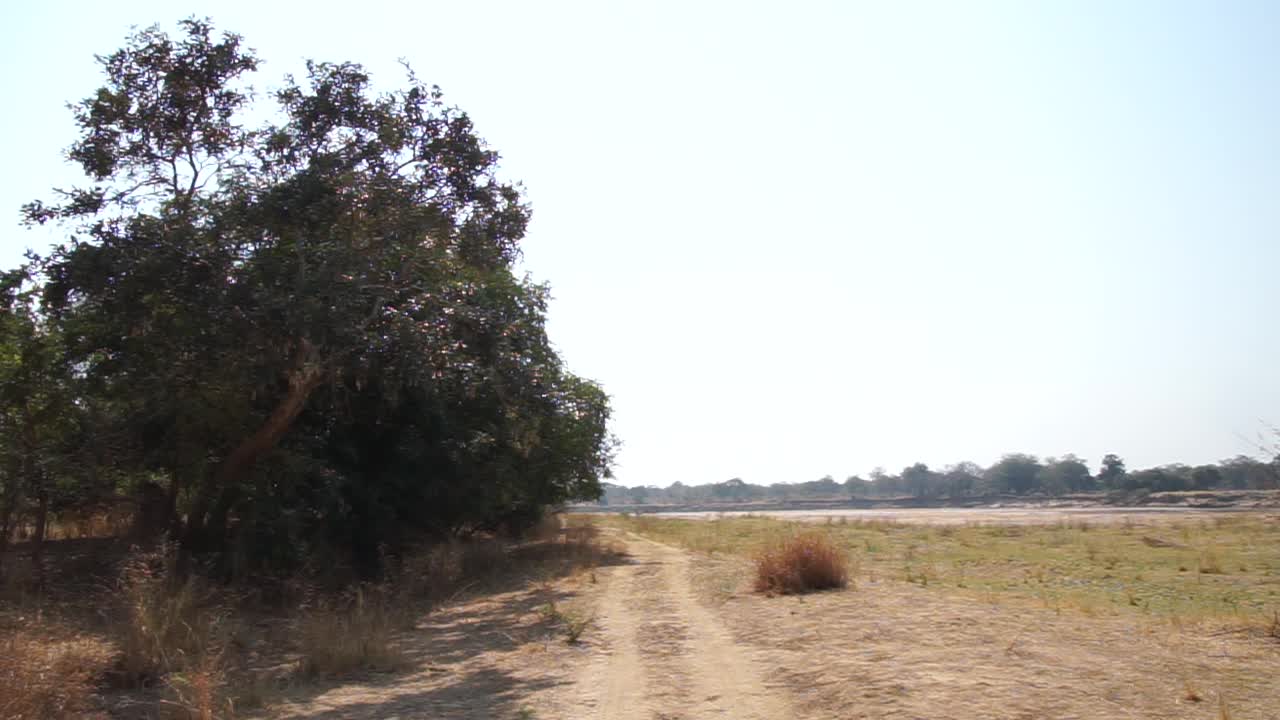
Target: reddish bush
<point>809,561</point>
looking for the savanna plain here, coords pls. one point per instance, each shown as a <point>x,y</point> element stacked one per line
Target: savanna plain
<point>625,616</point>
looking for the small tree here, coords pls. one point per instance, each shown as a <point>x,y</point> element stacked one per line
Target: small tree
<point>1112,473</point>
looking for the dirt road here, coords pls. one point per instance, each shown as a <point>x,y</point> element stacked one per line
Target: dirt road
<point>664,655</point>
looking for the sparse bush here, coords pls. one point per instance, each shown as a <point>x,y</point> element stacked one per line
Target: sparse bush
<point>573,622</point>
<point>547,527</point>
<point>434,574</point>
<point>168,627</point>
<point>356,636</point>
<point>199,693</point>
<point>803,563</point>
<point>42,678</point>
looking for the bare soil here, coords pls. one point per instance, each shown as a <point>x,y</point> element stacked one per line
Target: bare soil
<point>662,653</point>
<point>890,649</point>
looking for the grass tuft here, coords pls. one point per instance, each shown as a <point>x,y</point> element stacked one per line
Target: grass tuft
<point>572,622</point>
<point>1189,692</point>
<point>806,562</point>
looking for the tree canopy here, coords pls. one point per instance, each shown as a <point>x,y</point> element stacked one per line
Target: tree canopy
<point>308,331</point>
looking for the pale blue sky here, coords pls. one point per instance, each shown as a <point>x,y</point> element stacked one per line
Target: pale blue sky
<point>794,239</point>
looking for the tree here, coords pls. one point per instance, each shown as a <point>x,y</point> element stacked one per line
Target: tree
<point>1068,475</point>
<point>733,490</point>
<point>826,486</point>
<point>40,423</point>
<point>1206,477</point>
<point>884,484</point>
<point>919,481</point>
<point>1112,472</point>
<point>962,479</point>
<point>321,291</point>
<point>855,486</point>
<point>1015,473</point>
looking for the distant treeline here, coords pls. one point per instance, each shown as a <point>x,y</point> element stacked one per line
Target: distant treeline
<point>1015,474</point>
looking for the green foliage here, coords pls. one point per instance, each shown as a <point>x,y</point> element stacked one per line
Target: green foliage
<point>1068,475</point>
<point>1015,473</point>
<point>309,331</point>
<point>1112,472</point>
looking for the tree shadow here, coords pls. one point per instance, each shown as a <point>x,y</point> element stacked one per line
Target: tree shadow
<point>486,693</point>
<point>485,654</point>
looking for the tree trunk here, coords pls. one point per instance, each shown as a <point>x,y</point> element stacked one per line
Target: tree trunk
<point>6,528</point>
<point>37,541</point>
<point>9,511</point>
<point>303,380</point>
<point>172,521</point>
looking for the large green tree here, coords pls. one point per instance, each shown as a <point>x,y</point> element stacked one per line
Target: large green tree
<point>344,270</point>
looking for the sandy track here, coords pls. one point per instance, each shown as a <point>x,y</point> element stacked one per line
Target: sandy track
<point>665,655</point>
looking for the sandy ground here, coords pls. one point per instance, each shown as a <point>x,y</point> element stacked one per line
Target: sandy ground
<point>891,649</point>
<point>664,654</point>
<point>496,656</point>
<point>988,515</point>
<point>675,636</point>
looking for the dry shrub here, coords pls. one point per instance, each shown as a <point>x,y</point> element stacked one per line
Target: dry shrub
<point>45,678</point>
<point>803,563</point>
<point>437,573</point>
<point>574,548</point>
<point>199,693</point>
<point>353,635</point>
<point>169,627</point>
<point>547,528</point>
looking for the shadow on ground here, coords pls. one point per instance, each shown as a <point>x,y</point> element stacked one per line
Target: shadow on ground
<point>487,654</point>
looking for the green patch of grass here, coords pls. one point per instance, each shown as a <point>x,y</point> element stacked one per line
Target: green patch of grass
<point>1222,568</point>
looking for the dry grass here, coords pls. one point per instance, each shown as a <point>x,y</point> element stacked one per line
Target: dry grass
<point>1271,627</point>
<point>183,651</point>
<point>200,693</point>
<point>352,635</point>
<point>356,633</point>
<point>169,627</point>
<point>572,621</point>
<point>806,562</point>
<point>1189,692</point>
<point>435,574</point>
<point>1220,569</point>
<point>42,677</point>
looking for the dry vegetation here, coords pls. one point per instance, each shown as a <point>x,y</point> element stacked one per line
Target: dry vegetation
<point>1171,619</point>
<point>137,643</point>
<point>806,562</point>
<point>48,675</point>
<point>1224,568</point>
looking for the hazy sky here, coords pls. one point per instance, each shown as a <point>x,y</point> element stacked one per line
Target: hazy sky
<point>794,239</point>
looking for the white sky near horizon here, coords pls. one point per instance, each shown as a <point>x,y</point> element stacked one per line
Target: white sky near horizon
<point>797,239</point>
